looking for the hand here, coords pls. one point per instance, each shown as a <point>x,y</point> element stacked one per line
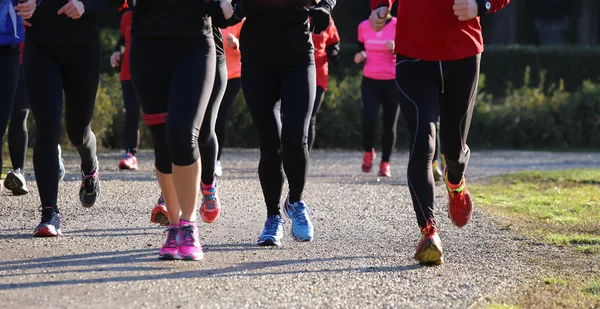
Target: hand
<point>115,58</point>
<point>227,8</point>
<point>378,18</point>
<point>359,57</point>
<point>320,19</point>
<point>232,41</point>
<point>25,9</point>
<point>465,9</point>
<point>390,44</point>
<point>74,9</point>
<point>26,23</point>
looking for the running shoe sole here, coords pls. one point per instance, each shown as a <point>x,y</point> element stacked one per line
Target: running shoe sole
<point>47,232</point>
<point>161,219</point>
<point>189,258</point>
<point>14,184</point>
<point>430,255</point>
<point>167,257</point>
<point>269,243</point>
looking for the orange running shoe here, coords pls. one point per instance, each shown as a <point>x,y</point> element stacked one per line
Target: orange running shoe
<point>368,158</point>
<point>460,206</point>
<point>429,250</point>
<point>384,169</point>
<point>159,213</point>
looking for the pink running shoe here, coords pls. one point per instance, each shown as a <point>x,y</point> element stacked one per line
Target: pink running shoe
<point>170,248</point>
<point>189,243</point>
<point>129,162</point>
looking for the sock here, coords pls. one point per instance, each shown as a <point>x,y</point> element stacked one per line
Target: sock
<point>173,226</point>
<point>55,208</point>
<point>209,187</point>
<point>454,187</point>
<point>183,223</point>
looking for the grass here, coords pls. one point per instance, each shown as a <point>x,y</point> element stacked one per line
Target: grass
<point>561,208</point>
<point>501,306</point>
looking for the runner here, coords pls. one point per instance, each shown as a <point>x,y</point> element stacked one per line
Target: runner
<point>62,53</point>
<point>438,67</point>
<point>376,49</point>
<point>234,85</point>
<point>174,95</point>
<point>327,48</point>
<point>286,73</point>
<point>12,33</point>
<point>208,145</point>
<point>130,100</point>
<point>18,137</point>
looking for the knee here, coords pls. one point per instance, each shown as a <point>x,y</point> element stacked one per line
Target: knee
<point>182,144</point>
<point>294,141</point>
<point>162,159</point>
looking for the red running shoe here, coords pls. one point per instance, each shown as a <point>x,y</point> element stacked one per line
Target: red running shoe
<point>129,162</point>
<point>368,161</point>
<point>429,250</point>
<point>460,206</point>
<point>384,169</point>
<point>159,213</point>
<point>210,210</point>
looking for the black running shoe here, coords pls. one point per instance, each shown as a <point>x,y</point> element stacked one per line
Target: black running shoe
<point>50,224</point>
<point>90,188</point>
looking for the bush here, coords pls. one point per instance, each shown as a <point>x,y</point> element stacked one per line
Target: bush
<point>505,65</point>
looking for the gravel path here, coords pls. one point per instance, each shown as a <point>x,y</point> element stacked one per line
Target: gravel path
<point>366,234</point>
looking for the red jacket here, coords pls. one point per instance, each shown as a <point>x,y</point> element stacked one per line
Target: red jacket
<point>321,41</point>
<point>429,30</point>
<point>126,33</point>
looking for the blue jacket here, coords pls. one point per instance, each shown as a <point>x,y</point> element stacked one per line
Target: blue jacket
<point>11,24</point>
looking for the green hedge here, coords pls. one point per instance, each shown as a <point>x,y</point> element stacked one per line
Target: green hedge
<point>505,65</point>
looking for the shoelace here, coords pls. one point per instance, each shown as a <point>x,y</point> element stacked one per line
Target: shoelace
<point>299,214</point>
<point>429,228</point>
<point>209,199</point>
<point>171,237</point>
<point>272,225</point>
<point>187,235</point>
<point>47,215</point>
<point>90,183</point>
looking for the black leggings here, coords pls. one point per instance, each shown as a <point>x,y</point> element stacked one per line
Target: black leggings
<point>48,71</point>
<point>132,116</point>
<point>313,117</point>
<point>207,140</point>
<point>18,137</point>
<point>174,94</point>
<point>9,79</point>
<point>426,86</point>
<point>375,93</point>
<point>234,86</point>
<point>282,139</point>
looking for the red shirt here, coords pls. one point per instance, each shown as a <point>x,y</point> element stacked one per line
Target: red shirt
<point>126,33</point>
<point>321,41</point>
<point>232,54</point>
<point>429,30</point>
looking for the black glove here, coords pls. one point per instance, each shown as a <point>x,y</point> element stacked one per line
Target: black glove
<point>320,19</point>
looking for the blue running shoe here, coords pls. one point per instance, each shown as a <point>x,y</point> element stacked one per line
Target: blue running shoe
<point>61,165</point>
<point>273,232</point>
<point>299,213</point>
